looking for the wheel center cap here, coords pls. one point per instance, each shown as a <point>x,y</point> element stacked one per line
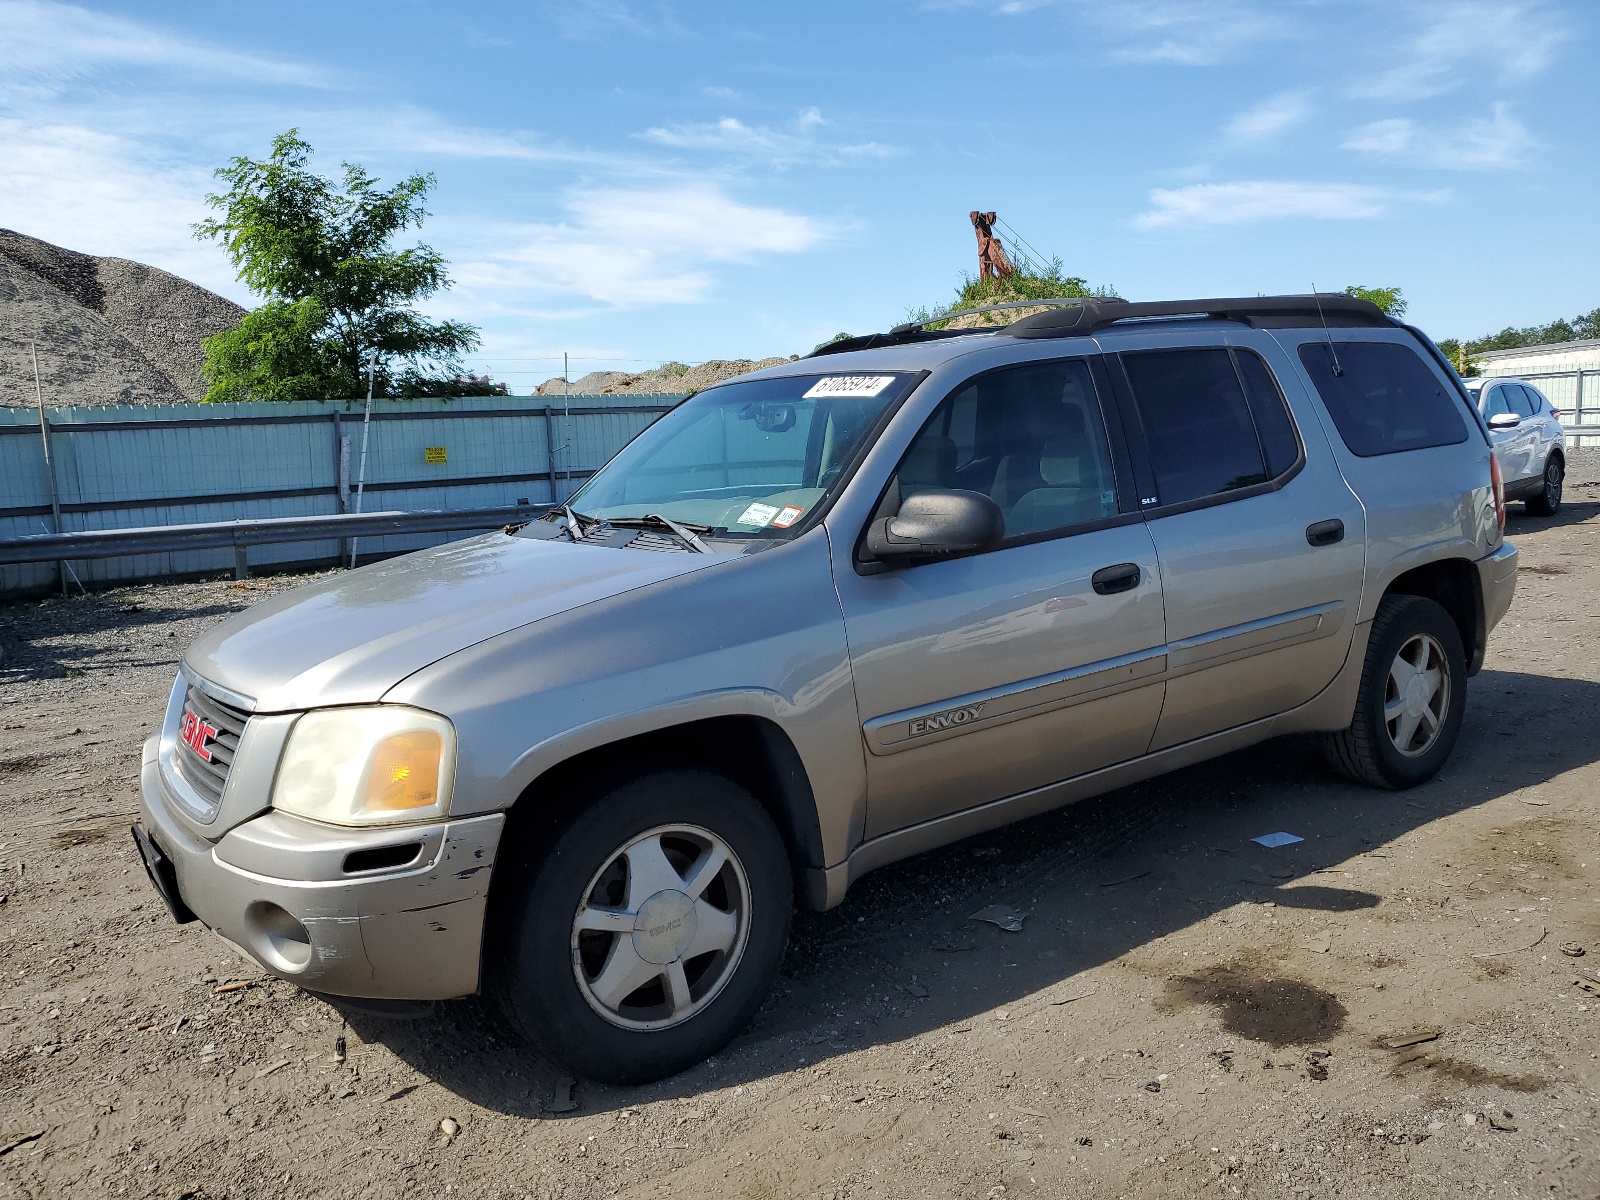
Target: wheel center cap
<point>1416,696</point>
<point>664,927</point>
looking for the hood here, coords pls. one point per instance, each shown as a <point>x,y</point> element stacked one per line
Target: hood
<point>350,638</point>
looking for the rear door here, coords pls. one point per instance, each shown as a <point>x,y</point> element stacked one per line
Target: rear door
<point>992,674</point>
<point>1261,542</point>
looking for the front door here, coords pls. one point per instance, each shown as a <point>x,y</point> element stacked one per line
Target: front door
<point>988,675</point>
<point>1261,542</point>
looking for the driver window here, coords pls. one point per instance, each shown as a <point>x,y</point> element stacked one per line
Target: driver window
<point>1496,405</point>
<point>1031,438</point>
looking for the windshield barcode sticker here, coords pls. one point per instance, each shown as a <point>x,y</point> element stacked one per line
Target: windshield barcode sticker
<point>847,385</point>
<point>759,515</point>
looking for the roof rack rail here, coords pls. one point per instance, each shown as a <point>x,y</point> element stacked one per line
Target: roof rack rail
<point>1079,317</point>
<point>1330,308</point>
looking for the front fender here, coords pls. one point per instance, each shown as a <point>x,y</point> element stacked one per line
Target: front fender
<point>760,636</point>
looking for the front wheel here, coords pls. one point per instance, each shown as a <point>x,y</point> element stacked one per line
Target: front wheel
<point>1548,499</point>
<point>649,933</point>
<point>1413,691</point>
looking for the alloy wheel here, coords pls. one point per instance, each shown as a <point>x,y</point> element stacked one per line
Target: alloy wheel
<point>661,927</point>
<point>1417,695</point>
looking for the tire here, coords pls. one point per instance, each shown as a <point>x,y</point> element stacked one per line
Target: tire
<point>1411,745</point>
<point>620,957</point>
<point>1548,499</point>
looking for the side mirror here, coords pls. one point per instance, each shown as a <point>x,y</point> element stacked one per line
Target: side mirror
<point>1504,421</point>
<point>938,522</point>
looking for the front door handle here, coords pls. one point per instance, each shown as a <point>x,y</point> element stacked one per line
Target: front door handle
<point>1325,533</point>
<point>1123,577</point>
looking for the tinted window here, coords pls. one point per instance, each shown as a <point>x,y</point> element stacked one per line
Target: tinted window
<point>1198,426</point>
<point>1494,403</point>
<point>1383,399</point>
<point>1521,403</point>
<point>1031,438</point>
<point>1536,398</point>
<point>1273,426</point>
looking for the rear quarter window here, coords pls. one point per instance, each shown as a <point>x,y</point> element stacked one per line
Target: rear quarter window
<point>1382,397</point>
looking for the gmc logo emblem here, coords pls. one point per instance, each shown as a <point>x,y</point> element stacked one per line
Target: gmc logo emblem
<point>945,720</point>
<point>197,734</point>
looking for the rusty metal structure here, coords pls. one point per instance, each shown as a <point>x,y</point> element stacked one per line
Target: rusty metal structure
<point>993,261</point>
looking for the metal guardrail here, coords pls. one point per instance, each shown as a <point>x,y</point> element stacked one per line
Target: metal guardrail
<point>260,531</point>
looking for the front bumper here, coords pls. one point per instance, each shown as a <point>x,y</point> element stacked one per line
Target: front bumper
<point>280,890</point>
<point>1497,577</point>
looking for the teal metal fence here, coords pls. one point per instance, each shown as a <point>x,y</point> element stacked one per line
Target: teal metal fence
<point>134,465</point>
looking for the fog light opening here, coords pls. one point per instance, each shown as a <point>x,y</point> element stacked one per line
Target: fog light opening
<point>278,937</point>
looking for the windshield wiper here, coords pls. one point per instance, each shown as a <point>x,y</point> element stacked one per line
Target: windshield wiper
<point>656,521</point>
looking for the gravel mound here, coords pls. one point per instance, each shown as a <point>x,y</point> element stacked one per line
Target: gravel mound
<point>669,377</point>
<point>109,330</point>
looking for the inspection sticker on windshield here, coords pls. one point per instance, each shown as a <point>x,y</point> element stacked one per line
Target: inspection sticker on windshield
<point>848,385</point>
<point>758,515</point>
<point>787,517</point>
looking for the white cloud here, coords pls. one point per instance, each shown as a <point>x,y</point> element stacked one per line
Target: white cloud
<point>1272,116</point>
<point>53,41</point>
<point>798,142</point>
<point>628,247</point>
<point>1459,39</point>
<point>1193,33</point>
<point>1391,136</point>
<point>1265,200</point>
<point>1496,142</point>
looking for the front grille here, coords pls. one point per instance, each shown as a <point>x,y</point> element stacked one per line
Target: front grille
<point>208,777</point>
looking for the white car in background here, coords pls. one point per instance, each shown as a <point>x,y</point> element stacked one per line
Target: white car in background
<point>1527,438</point>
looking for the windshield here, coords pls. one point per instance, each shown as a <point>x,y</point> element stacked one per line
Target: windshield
<point>744,459</point>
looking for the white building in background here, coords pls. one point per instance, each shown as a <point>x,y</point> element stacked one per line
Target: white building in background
<point>1567,372</point>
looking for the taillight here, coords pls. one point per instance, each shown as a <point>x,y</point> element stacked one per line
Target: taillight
<point>1554,411</point>
<point>1498,482</point>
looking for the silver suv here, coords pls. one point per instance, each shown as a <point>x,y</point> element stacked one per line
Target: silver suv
<point>1526,433</point>
<point>820,618</point>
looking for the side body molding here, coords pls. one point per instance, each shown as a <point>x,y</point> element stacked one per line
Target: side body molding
<point>897,731</point>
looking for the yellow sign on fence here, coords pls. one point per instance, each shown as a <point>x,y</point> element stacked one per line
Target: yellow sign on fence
<point>434,454</point>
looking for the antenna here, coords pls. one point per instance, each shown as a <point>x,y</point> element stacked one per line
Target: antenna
<point>1328,333</point>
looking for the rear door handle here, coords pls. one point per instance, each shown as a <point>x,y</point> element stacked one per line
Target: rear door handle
<point>1123,577</point>
<point>1325,533</point>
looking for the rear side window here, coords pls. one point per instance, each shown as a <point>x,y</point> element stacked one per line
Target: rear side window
<point>1382,397</point>
<point>1210,426</point>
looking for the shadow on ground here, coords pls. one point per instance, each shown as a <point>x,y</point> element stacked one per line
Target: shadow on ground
<point>1100,878</point>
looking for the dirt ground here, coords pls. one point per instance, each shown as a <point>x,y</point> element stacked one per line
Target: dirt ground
<point>1389,1008</point>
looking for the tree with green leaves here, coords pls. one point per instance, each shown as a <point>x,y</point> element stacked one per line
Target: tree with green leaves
<point>1582,328</point>
<point>337,293</point>
<point>1389,299</point>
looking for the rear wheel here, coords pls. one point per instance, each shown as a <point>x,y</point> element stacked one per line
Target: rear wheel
<point>650,931</point>
<point>1413,689</point>
<point>1548,499</point>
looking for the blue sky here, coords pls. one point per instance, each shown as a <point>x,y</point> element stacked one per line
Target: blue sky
<point>632,182</point>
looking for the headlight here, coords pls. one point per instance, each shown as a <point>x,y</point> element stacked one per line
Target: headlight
<point>384,765</point>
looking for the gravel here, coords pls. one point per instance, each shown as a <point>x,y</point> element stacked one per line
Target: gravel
<point>1183,1013</point>
<point>109,331</point>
